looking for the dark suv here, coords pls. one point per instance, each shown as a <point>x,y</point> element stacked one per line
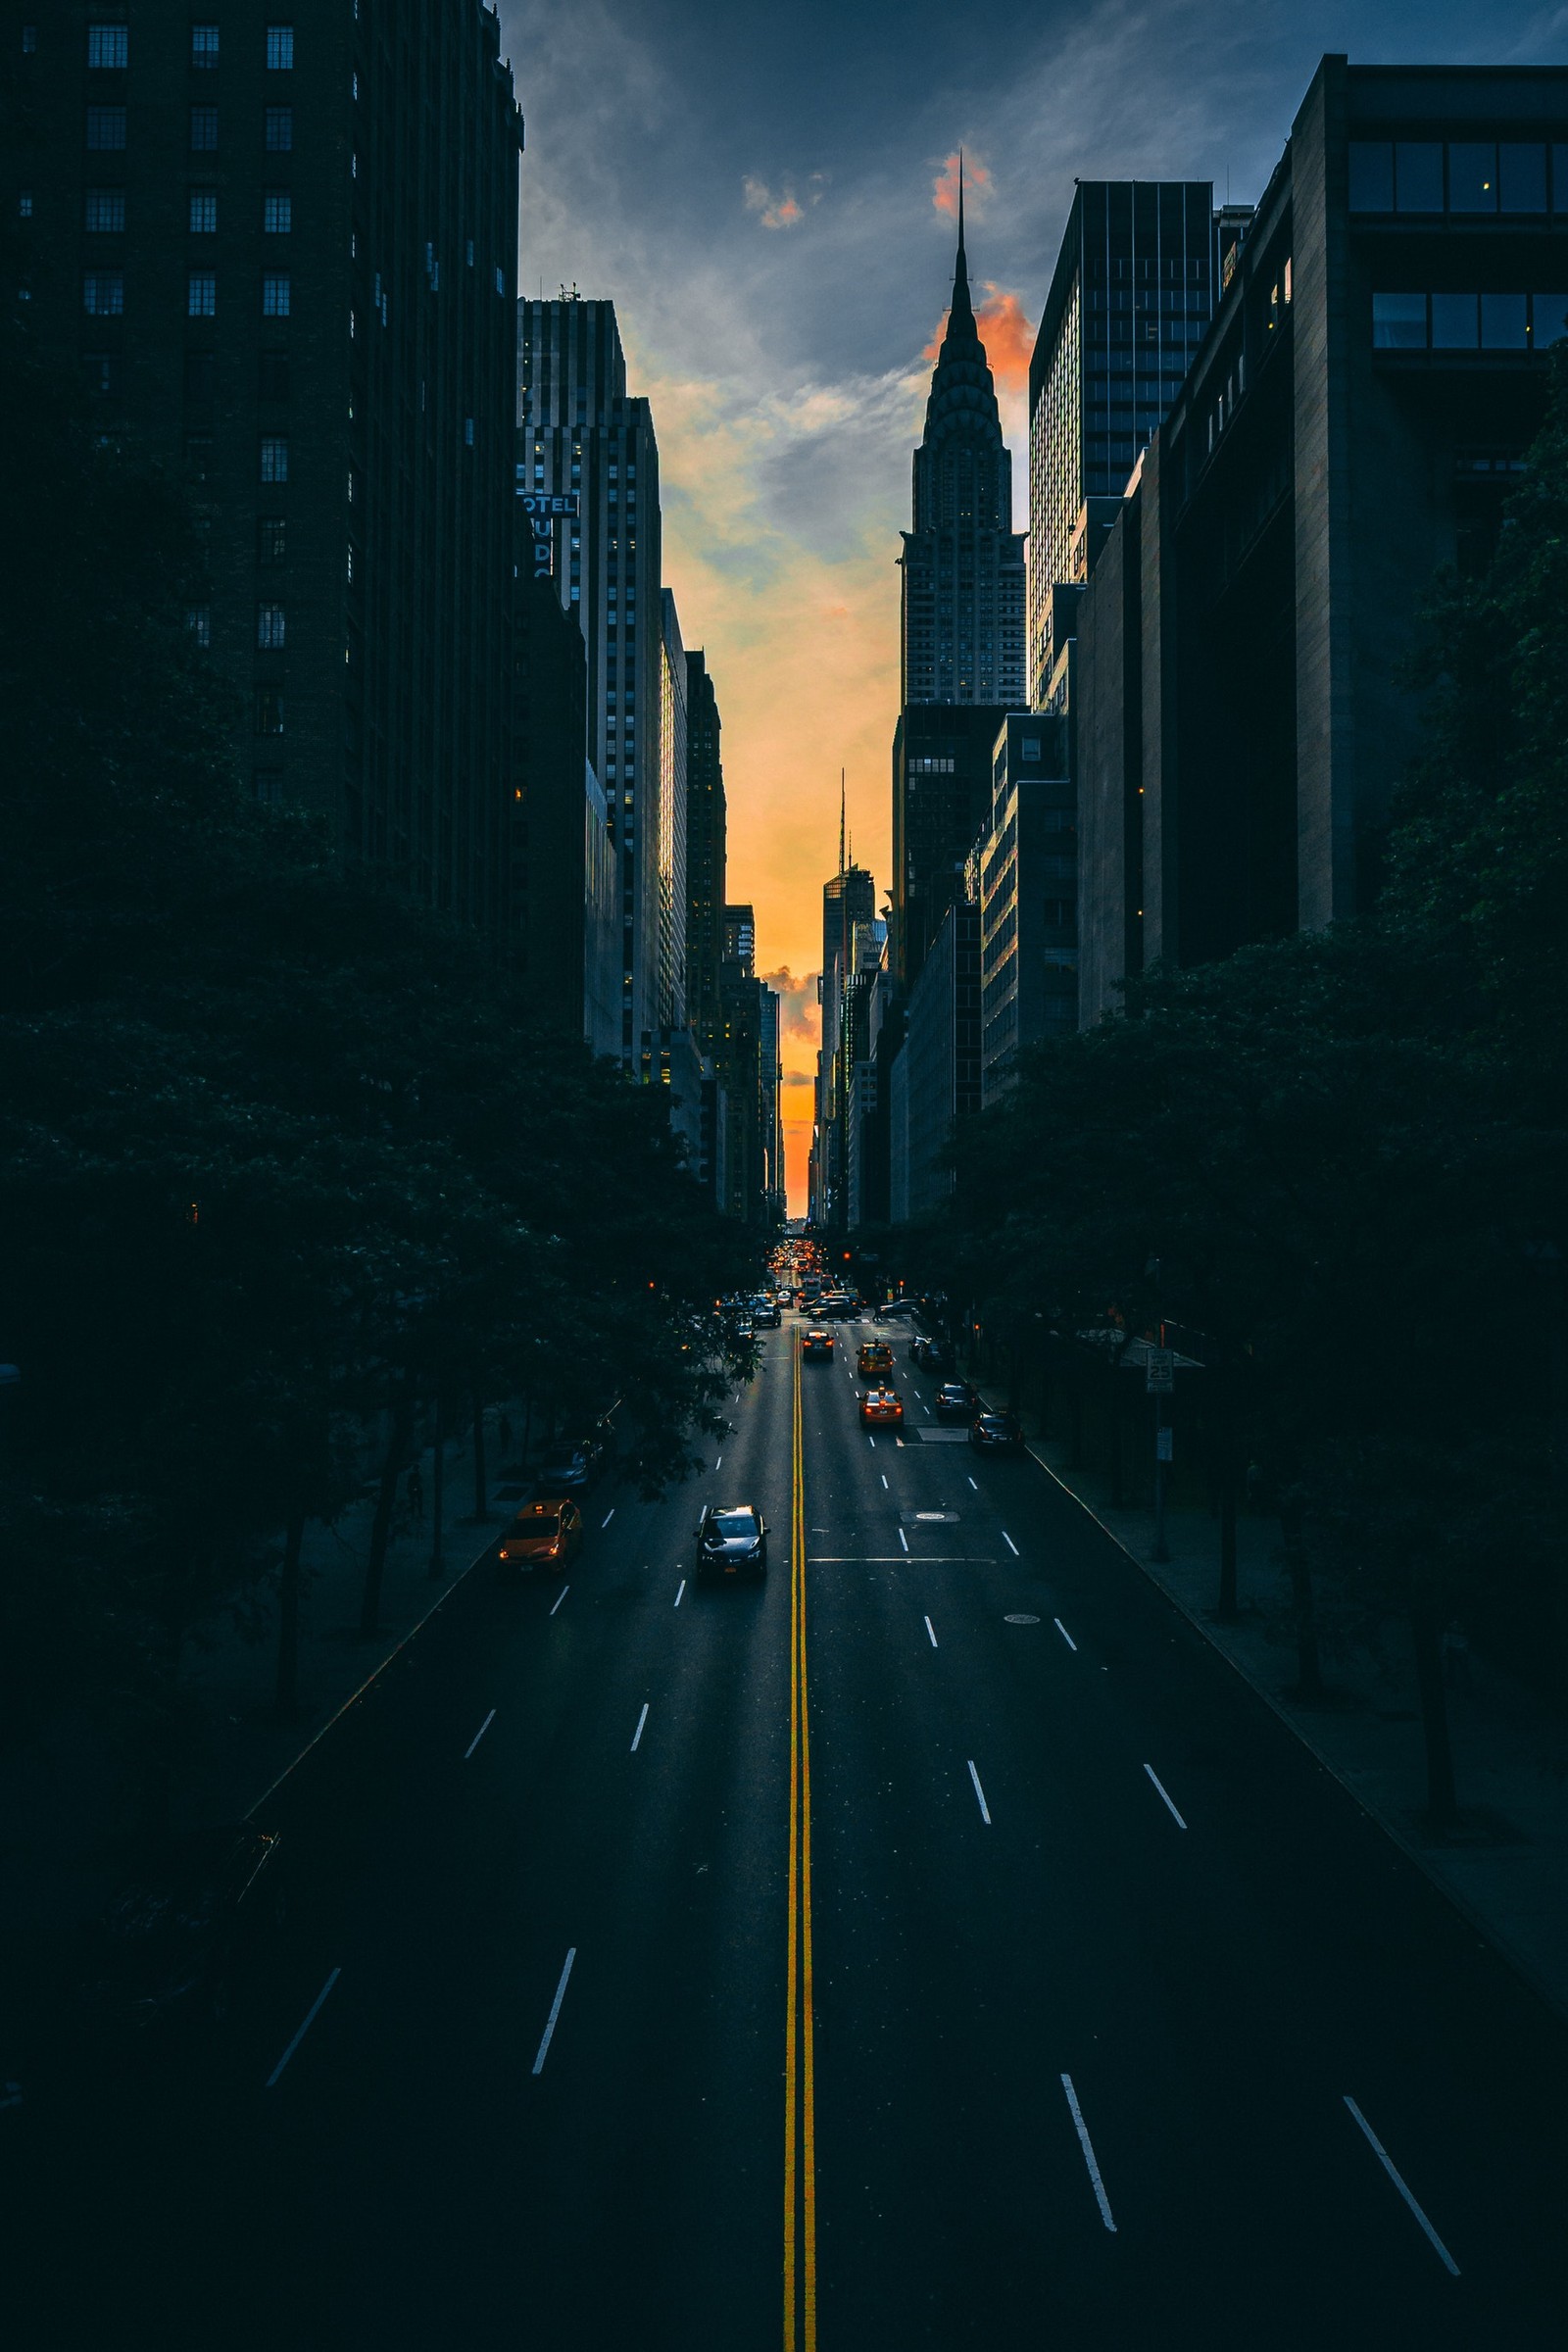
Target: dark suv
<point>731,1540</point>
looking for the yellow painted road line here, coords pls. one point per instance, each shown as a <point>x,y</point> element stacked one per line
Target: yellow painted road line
<point>800,2053</point>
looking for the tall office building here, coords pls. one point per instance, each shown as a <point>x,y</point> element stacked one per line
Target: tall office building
<point>282,258</point>
<point>941,798</point>
<point>962,562</point>
<point>581,436</point>
<point>849,907</point>
<point>705,853</point>
<point>1130,301</point>
<point>670,1000</point>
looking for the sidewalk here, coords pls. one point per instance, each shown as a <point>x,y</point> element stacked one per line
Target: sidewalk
<point>65,1802</point>
<point>1506,1866</point>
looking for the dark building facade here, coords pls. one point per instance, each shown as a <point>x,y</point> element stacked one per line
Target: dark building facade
<point>1373,375</point>
<point>705,853</point>
<point>941,756</point>
<point>581,435</point>
<point>750,1159</point>
<point>1130,301</point>
<point>935,1079</point>
<point>849,906</point>
<point>282,258</point>
<point>1026,885</point>
<point>963,590</point>
<point>565,910</point>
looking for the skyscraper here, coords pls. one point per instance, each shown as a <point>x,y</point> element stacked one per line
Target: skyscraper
<point>962,561</point>
<point>670,1000</point>
<point>1130,302</point>
<point>579,433</point>
<point>705,854</point>
<point>282,259</point>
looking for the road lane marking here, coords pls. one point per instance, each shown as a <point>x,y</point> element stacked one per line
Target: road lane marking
<point>1395,2175</point>
<point>1160,1786</point>
<point>871,1441</point>
<point>608,1515</point>
<point>638,1732</point>
<point>985,1810</point>
<point>682,1590</point>
<point>904,1539</point>
<point>719,1464</point>
<point>1066,1637</point>
<point>884,1482</point>
<point>1011,1545</point>
<point>554,2012</point>
<point>976,1488</point>
<point>478,1735</point>
<point>932,1631</point>
<point>799,2025</point>
<point>1088,2147</point>
<point>310,2015</point>
<point>561,1597</point>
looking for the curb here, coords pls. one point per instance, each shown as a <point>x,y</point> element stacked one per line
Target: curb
<point>373,1677</point>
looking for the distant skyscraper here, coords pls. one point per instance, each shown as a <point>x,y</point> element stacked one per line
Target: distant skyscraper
<point>578,432</point>
<point>964,562</point>
<point>671,817</point>
<point>849,912</point>
<point>1129,304</point>
<point>705,854</point>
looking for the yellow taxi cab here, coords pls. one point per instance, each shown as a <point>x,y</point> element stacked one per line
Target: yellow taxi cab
<point>818,1344</point>
<point>876,1358</point>
<point>544,1534</point>
<point>879,1406</point>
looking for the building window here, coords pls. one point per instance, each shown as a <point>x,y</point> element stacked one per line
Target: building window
<point>275,296</point>
<point>279,129</point>
<point>203,213</point>
<point>270,628</point>
<point>201,294</point>
<point>1399,322</point>
<point>501,283</point>
<point>106,210</point>
<point>279,48</point>
<point>1454,321</point>
<point>269,710</point>
<point>1522,177</point>
<point>108,47</point>
<point>1473,176</point>
<point>1418,175</point>
<point>1549,319</point>
<point>202,129</point>
<point>29,40</point>
<point>103,293</point>
<point>199,622</point>
<point>204,44</point>
<point>272,540</point>
<point>277,212</point>
<point>468,431</point>
<point>106,130</point>
<point>1371,175</point>
<point>275,458</point>
<point>24,206</point>
<point>1502,322</point>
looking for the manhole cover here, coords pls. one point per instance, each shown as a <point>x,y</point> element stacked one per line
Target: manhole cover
<point>1020,1620</point>
<point>924,1518</point>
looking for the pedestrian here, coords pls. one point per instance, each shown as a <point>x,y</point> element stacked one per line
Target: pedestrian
<point>415,1493</point>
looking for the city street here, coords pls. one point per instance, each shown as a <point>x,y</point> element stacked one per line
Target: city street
<point>938,1946</point>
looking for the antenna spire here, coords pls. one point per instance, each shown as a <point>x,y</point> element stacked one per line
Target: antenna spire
<point>841,821</point>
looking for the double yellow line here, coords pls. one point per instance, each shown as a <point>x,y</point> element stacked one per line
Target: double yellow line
<point>800,2066</point>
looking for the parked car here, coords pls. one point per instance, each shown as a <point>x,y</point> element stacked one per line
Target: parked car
<point>875,1359</point>
<point>955,1401</point>
<point>996,1432</point>
<point>817,1346</point>
<point>731,1540</point>
<point>194,1912</point>
<point>545,1535</point>
<point>934,1358</point>
<point>880,1407</point>
<point>768,1315</point>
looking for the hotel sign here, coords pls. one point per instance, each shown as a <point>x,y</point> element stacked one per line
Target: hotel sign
<point>544,510</point>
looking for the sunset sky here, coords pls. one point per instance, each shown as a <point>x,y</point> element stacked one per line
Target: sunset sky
<point>766,194</point>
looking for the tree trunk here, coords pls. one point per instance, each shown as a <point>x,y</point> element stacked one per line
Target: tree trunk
<point>1308,1665</point>
<point>481,1505</point>
<point>438,1488</point>
<point>1443,1805</point>
<point>288,1620</point>
<point>396,1444</point>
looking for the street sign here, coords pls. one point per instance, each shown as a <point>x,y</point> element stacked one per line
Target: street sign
<point>1160,1371</point>
<point>1164,1449</point>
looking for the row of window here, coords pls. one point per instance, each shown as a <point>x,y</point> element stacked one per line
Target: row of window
<point>270,631</point>
<point>104,213</point>
<point>102,294</point>
<point>1468,322</point>
<point>107,127</point>
<point>109,46</point>
<point>1462,175</point>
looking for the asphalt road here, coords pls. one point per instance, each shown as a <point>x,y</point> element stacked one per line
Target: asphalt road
<point>936,1947</point>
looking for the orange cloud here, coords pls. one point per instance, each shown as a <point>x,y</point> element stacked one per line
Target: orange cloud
<point>781,210</point>
<point>1006,334</point>
<point>976,185</point>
